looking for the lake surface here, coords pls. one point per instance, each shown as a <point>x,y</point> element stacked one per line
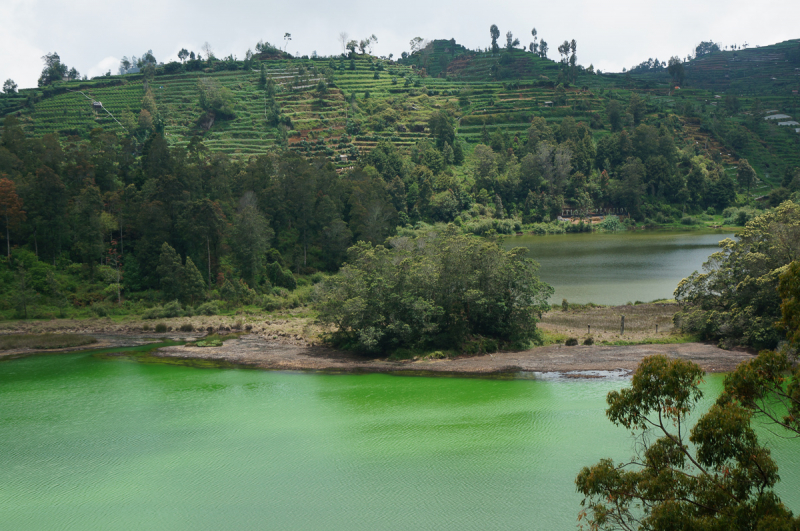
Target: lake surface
<point>620,267</point>
<point>89,444</point>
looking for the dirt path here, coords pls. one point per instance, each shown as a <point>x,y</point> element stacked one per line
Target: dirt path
<point>257,352</point>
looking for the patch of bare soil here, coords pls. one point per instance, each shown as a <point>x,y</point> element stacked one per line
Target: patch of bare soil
<point>642,322</point>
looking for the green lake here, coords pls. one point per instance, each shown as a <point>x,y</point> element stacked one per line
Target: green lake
<point>92,444</point>
<point>618,268</point>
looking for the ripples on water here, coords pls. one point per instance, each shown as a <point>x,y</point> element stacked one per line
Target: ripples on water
<point>90,444</point>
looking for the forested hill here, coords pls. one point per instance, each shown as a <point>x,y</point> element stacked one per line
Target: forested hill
<point>251,174</point>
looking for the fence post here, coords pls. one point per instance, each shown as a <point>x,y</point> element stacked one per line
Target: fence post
<point>590,329</point>
<point>622,326</point>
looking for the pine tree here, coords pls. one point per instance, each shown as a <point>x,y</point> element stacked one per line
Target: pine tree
<point>170,272</point>
<point>193,286</point>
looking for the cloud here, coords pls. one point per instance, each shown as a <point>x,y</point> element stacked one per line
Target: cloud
<point>612,35</point>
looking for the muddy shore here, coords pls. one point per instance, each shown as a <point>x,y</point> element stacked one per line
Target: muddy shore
<point>257,352</point>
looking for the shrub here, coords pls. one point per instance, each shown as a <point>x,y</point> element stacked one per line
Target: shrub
<point>145,327</point>
<point>564,305</point>
<point>153,313</point>
<point>172,309</point>
<point>571,342</point>
<point>610,224</point>
<point>161,328</point>
<point>208,308</point>
<point>689,220</point>
<point>588,341</point>
<point>187,327</point>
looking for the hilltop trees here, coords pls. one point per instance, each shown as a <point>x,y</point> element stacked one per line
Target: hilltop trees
<point>54,70</point>
<point>9,87</point>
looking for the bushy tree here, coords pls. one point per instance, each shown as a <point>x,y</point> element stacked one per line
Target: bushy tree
<point>11,213</point>
<point>715,475</point>
<point>494,32</point>
<point>735,299</point>
<point>433,289</point>
<point>215,98</point>
<point>9,86</point>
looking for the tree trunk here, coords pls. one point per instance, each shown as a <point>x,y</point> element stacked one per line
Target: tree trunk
<point>8,241</point>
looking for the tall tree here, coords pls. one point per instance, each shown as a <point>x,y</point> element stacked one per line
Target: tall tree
<point>192,285</point>
<point>10,209</point>
<point>170,272</point>
<point>746,175</point>
<point>494,31</point>
<point>251,238</point>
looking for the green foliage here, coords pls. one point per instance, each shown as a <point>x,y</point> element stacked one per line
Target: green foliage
<point>610,224</point>
<point>432,289</point>
<point>723,480</point>
<point>208,308</point>
<point>735,300</point>
<point>161,328</point>
<point>215,98</point>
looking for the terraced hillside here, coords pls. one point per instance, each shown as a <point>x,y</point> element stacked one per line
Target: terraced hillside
<point>341,107</point>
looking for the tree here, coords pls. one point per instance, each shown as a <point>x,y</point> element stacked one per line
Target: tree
<point>494,31</point>
<point>170,273</point>
<point>343,36</point>
<point>724,480</point>
<point>192,286</point>
<point>433,289</point>
<point>10,209</point>
<point>286,38</point>
<point>511,42</point>
<point>676,69</point>
<point>543,49</point>
<point>746,175</point>
<point>9,87</point>
<point>534,44</point>
<point>183,55</point>
<point>735,299</point>
<point>441,128</point>
<point>416,44</point>
<point>215,98</point>
<point>637,108</point>
<point>54,69</point>
<point>251,237</point>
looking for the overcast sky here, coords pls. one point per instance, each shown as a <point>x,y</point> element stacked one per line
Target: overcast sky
<point>94,36</point>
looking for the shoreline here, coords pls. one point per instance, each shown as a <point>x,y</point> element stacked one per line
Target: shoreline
<point>288,352</point>
<point>254,352</point>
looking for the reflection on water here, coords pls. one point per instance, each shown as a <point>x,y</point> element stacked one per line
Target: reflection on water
<point>105,445</point>
<point>618,268</point>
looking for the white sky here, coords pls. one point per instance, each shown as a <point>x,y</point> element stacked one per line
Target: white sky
<point>93,36</point>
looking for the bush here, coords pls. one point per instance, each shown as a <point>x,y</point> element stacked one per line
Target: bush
<point>187,327</point>
<point>571,342</point>
<point>610,224</point>
<point>588,341</point>
<point>172,309</point>
<point>208,308</point>
<point>153,313</point>
<point>689,220</point>
<point>161,328</point>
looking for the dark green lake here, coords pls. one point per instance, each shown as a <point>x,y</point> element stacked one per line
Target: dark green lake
<point>89,444</point>
<point>620,267</point>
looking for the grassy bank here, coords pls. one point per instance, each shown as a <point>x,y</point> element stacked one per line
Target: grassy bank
<point>44,341</point>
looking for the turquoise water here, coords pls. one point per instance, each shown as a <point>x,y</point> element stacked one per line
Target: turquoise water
<point>621,267</point>
<point>88,444</point>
